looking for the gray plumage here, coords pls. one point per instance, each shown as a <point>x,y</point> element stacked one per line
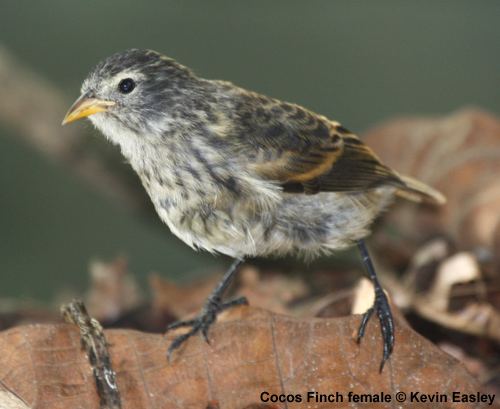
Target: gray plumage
<point>242,174</point>
<point>239,173</point>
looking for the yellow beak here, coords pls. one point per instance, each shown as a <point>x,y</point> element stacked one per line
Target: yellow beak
<point>86,106</point>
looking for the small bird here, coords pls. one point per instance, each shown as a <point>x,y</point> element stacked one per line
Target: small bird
<point>235,172</point>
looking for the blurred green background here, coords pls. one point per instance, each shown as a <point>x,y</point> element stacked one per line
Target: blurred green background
<point>360,62</point>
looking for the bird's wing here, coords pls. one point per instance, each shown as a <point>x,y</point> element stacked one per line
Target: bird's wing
<point>305,152</point>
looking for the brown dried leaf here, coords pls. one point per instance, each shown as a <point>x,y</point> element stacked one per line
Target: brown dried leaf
<point>9,400</point>
<point>334,304</point>
<point>460,155</point>
<point>459,268</point>
<point>180,300</point>
<point>473,365</point>
<point>468,311</point>
<point>113,290</point>
<point>271,291</point>
<point>476,318</point>
<point>251,351</point>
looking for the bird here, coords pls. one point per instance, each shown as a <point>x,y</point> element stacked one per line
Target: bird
<point>238,173</point>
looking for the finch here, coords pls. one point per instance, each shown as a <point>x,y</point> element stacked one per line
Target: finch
<point>235,172</point>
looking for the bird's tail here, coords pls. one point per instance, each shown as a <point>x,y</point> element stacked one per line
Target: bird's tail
<point>417,191</point>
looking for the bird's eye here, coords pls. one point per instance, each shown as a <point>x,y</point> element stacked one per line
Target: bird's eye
<point>126,86</point>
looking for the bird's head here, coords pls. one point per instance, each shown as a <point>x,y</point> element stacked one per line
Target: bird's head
<point>132,91</point>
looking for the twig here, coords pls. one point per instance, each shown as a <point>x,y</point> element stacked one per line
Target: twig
<point>94,343</point>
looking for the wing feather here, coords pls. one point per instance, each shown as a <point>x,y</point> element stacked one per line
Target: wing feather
<point>306,153</point>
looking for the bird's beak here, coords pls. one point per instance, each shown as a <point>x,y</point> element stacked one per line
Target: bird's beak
<point>86,106</point>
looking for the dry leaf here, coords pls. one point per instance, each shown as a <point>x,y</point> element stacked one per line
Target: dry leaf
<point>180,300</point>
<point>271,291</point>
<point>364,296</point>
<point>113,290</point>
<point>460,155</point>
<point>473,365</point>
<point>251,351</point>
<point>9,400</point>
<point>460,268</point>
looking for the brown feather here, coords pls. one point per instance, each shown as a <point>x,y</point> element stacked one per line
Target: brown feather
<point>307,153</point>
<point>286,142</point>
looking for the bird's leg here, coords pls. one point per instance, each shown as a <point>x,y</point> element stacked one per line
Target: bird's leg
<point>380,306</point>
<point>212,308</point>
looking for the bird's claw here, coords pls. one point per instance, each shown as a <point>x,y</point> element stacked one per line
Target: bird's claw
<point>202,323</point>
<point>382,308</point>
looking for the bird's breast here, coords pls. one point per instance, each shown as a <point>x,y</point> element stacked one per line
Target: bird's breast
<point>207,214</point>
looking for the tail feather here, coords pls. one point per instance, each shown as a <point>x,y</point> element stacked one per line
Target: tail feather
<point>417,191</point>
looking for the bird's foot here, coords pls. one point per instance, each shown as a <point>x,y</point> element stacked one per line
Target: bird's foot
<point>383,309</point>
<point>202,323</point>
